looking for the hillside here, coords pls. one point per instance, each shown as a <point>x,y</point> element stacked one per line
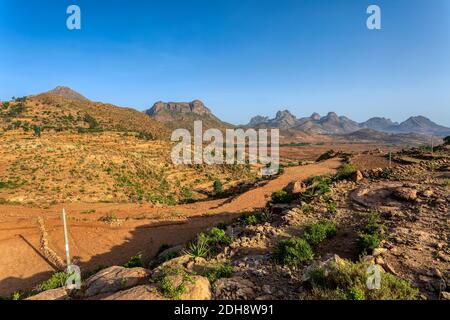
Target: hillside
<point>369,135</point>
<point>62,109</point>
<point>183,114</point>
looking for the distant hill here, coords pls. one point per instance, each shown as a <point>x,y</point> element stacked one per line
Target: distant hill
<point>315,124</point>
<point>370,135</point>
<point>332,124</point>
<point>183,114</point>
<point>63,109</point>
<point>380,124</point>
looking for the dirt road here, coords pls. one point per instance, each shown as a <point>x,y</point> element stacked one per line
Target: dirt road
<point>136,229</point>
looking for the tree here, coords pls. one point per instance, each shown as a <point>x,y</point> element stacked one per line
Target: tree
<point>37,131</point>
<point>218,187</point>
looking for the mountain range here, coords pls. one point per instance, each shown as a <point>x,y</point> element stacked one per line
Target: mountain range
<point>333,124</point>
<point>63,107</point>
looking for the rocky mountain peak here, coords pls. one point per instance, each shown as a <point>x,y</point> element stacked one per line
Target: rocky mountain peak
<point>66,92</point>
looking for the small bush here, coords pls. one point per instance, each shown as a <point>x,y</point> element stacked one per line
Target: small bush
<point>344,172</point>
<point>134,262</point>
<point>348,282</point>
<point>108,218</point>
<point>293,252</point>
<point>218,272</point>
<point>215,237</point>
<point>282,196</point>
<point>57,280</point>
<point>218,187</point>
<point>372,234</point>
<point>318,232</point>
<point>168,286</point>
<point>198,249</point>
<point>319,186</point>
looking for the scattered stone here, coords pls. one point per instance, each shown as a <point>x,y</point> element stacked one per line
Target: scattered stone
<point>357,176</point>
<point>379,251</point>
<point>405,193</point>
<point>235,288</point>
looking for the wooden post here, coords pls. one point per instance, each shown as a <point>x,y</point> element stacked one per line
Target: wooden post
<point>66,238</point>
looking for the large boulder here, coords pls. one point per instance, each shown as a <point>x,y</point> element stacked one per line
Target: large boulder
<point>114,279</point>
<point>143,292</point>
<point>405,193</point>
<point>196,287</point>
<point>54,294</point>
<point>356,176</point>
<point>295,187</point>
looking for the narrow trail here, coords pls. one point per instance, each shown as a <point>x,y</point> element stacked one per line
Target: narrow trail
<point>94,243</point>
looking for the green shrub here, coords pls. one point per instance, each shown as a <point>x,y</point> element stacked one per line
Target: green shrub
<point>368,242</point>
<point>134,262</point>
<point>218,187</point>
<point>93,124</point>
<point>215,237</point>
<point>218,272</point>
<point>198,249</point>
<point>344,172</point>
<point>318,186</point>
<point>372,234</point>
<point>282,196</point>
<point>168,286</point>
<point>348,281</point>
<point>318,232</point>
<point>293,252</point>
<point>57,280</point>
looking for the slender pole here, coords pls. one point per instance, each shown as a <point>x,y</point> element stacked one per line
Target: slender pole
<point>432,145</point>
<point>390,159</point>
<point>66,239</point>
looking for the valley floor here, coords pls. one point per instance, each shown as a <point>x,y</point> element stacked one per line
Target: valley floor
<point>105,234</point>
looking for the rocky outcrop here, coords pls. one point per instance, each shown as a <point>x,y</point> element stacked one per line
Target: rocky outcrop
<point>196,107</point>
<point>143,292</point>
<point>115,278</point>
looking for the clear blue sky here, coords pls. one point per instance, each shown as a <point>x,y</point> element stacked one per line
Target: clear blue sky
<point>241,58</point>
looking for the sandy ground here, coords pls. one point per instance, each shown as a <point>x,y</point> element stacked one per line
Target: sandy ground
<point>139,229</point>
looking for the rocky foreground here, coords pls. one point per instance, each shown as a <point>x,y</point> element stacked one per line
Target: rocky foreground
<point>316,240</point>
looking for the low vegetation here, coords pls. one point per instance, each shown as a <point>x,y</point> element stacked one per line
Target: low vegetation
<point>372,234</point>
<point>57,280</point>
<point>222,270</point>
<point>134,262</point>
<point>293,252</point>
<point>282,196</point>
<point>348,282</point>
<point>320,231</point>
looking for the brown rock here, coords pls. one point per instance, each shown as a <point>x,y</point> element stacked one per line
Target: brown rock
<point>54,294</point>
<point>404,193</point>
<point>295,187</point>
<point>143,292</point>
<point>357,176</point>
<point>115,278</point>
<point>235,288</point>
